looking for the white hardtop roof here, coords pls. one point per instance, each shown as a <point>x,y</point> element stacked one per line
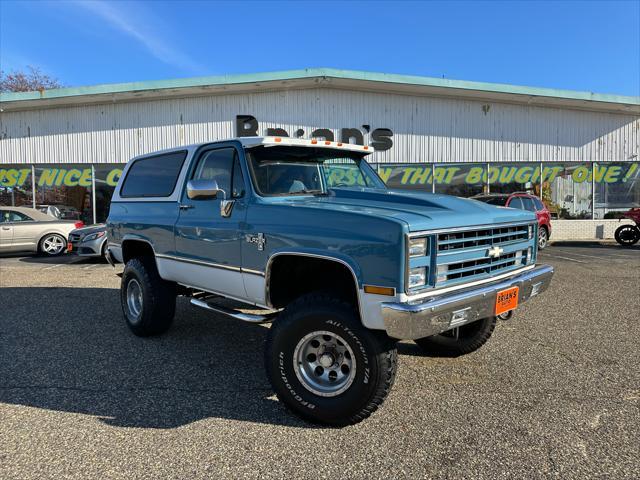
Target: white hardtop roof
<point>251,142</point>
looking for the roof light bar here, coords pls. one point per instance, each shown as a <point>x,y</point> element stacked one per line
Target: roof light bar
<point>249,142</point>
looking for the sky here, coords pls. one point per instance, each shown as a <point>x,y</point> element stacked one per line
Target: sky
<point>575,45</point>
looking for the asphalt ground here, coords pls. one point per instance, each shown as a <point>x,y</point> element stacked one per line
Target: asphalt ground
<point>554,393</point>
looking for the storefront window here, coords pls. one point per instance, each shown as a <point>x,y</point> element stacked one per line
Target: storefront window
<point>67,189</point>
<point>570,190</point>
<point>460,180</point>
<point>413,177</point>
<point>617,188</point>
<point>16,186</point>
<point>566,190</point>
<point>514,177</point>
<point>107,176</point>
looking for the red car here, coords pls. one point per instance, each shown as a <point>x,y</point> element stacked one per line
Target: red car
<point>523,201</point>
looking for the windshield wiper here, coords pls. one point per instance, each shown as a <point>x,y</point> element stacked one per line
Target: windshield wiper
<point>316,193</point>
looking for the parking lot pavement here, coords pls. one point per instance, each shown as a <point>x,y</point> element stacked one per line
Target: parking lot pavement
<point>555,392</point>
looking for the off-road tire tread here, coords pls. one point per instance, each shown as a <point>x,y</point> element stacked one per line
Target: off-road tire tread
<point>386,353</point>
<point>432,345</point>
<point>162,298</point>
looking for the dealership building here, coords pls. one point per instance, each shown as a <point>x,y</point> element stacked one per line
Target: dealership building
<point>578,151</point>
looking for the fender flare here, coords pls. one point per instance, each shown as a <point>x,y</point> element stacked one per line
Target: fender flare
<point>343,260</point>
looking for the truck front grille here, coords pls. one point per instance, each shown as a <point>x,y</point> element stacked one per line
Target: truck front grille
<point>469,254</point>
<point>476,254</point>
<point>484,237</point>
<point>483,266</point>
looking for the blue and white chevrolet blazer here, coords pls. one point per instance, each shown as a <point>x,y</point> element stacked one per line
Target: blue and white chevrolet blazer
<point>304,234</point>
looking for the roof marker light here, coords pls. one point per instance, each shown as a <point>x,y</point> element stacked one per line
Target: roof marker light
<point>277,139</point>
<point>339,144</point>
<point>327,142</point>
<point>313,142</point>
<point>366,148</point>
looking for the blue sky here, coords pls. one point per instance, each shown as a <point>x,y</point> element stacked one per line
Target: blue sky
<point>577,45</point>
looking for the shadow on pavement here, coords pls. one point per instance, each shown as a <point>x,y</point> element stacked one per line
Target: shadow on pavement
<point>69,350</point>
<point>66,259</point>
<point>594,244</point>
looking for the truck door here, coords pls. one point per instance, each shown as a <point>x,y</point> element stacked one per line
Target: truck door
<point>209,232</point>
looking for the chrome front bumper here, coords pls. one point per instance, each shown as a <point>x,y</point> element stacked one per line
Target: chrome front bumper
<point>437,314</point>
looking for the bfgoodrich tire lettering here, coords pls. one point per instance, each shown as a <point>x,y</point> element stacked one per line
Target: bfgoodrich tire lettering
<point>375,361</point>
<point>148,302</point>
<point>465,339</point>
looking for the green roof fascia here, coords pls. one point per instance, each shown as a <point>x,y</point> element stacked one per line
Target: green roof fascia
<point>221,80</point>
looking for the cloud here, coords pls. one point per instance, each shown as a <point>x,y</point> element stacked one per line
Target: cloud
<point>127,23</point>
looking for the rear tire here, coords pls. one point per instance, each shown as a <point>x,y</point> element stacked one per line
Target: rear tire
<point>148,302</point>
<point>324,365</point>
<point>459,341</point>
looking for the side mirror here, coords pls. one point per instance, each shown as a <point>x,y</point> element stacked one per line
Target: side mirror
<point>203,189</point>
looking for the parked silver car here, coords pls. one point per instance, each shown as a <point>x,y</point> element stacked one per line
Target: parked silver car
<point>28,230</point>
<point>89,241</point>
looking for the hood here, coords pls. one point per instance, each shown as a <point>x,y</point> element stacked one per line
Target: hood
<point>419,210</point>
<point>90,229</point>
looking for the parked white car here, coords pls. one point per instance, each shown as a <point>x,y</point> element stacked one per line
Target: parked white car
<point>29,230</point>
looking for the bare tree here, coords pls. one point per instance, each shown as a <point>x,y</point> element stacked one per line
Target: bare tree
<point>27,81</point>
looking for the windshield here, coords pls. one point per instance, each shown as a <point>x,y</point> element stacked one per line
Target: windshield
<point>304,170</point>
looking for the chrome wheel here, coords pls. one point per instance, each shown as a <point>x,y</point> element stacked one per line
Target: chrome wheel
<point>324,363</point>
<point>543,238</point>
<point>134,298</point>
<point>53,244</point>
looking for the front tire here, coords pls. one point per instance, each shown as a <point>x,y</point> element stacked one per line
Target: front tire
<point>148,302</point>
<point>543,238</point>
<point>324,365</point>
<point>459,341</point>
<point>52,245</point>
<point>627,235</point>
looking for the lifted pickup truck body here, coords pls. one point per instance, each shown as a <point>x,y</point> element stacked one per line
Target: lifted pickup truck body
<point>243,222</point>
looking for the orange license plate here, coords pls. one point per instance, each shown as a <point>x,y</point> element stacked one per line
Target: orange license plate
<point>507,300</point>
<point>69,247</point>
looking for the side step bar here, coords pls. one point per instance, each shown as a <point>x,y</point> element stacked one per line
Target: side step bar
<point>245,317</point>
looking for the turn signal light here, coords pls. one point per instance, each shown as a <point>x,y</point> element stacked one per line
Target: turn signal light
<point>379,290</point>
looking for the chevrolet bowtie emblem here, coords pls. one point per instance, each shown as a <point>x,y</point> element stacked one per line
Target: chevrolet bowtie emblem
<point>495,252</point>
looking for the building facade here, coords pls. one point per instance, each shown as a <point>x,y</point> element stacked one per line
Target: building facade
<point>578,151</point>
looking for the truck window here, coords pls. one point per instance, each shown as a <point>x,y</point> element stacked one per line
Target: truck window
<point>154,176</point>
<point>223,166</point>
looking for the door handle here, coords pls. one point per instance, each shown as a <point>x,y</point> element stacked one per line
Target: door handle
<point>185,206</point>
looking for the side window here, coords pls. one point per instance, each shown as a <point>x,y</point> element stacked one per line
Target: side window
<point>223,166</point>
<point>516,202</point>
<point>539,204</point>
<point>12,216</point>
<point>528,204</point>
<point>154,176</point>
